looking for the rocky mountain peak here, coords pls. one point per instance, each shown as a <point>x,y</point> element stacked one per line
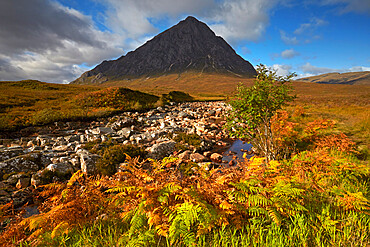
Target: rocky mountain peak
<point>188,46</point>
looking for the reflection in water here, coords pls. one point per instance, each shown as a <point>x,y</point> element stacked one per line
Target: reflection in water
<point>235,151</point>
<point>31,210</point>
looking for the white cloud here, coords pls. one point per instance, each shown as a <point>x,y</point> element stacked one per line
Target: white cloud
<point>289,40</point>
<point>305,33</point>
<point>281,69</point>
<point>310,26</point>
<point>288,54</point>
<point>242,19</point>
<point>131,18</point>
<point>234,20</point>
<point>311,70</point>
<point>359,68</point>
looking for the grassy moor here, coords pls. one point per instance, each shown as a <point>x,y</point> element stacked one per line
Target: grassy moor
<point>315,194</point>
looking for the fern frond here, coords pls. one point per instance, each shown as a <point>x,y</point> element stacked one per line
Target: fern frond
<point>274,215</point>
<point>61,227</point>
<point>77,175</point>
<point>121,189</point>
<point>35,234</point>
<point>166,191</point>
<point>35,221</point>
<point>257,200</point>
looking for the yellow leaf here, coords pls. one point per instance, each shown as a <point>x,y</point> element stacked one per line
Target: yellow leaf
<point>222,179</point>
<point>154,219</point>
<point>162,230</point>
<point>230,212</point>
<point>225,205</point>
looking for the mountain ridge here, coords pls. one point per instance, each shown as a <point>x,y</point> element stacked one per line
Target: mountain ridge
<point>350,78</point>
<point>190,45</point>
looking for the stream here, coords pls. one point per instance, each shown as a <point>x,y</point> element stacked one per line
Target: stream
<point>236,151</point>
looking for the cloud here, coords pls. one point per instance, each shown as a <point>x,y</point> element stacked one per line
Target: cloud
<point>311,70</point>
<point>310,26</point>
<point>281,69</point>
<point>242,19</point>
<point>359,6</point>
<point>234,20</point>
<point>288,54</point>
<point>304,33</point>
<point>289,40</point>
<point>132,18</point>
<point>45,41</point>
<point>358,68</point>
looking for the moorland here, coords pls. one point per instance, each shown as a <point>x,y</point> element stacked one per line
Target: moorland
<point>316,195</point>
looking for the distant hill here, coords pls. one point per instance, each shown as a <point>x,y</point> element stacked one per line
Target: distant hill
<point>189,46</point>
<point>351,78</point>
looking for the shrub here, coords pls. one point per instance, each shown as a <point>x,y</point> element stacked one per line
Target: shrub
<point>176,96</point>
<point>45,116</point>
<point>117,98</point>
<point>254,107</point>
<point>191,139</point>
<point>113,155</point>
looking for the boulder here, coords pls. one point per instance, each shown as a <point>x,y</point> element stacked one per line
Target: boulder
<point>72,138</point>
<point>197,157</point>
<point>211,112</point>
<point>102,131</point>
<point>216,157</point>
<point>60,168</point>
<point>184,115</point>
<point>125,132</point>
<point>87,161</point>
<point>43,140</point>
<point>185,156</point>
<point>61,148</point>
<point>161,150</point>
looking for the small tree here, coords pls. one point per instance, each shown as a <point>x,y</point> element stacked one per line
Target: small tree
<point>253,107</point>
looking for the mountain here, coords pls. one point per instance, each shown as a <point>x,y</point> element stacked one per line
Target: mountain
<point>351,78</point>
<point>189,46</point>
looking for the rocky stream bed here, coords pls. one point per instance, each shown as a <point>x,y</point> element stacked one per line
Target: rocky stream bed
<point>25,162</point>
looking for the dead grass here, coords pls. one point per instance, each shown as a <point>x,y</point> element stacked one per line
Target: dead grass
<point>200,86</point>
<point>355,78</point>
<point>348,105</point>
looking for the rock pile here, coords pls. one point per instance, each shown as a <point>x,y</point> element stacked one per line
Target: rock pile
<point>28,162</point>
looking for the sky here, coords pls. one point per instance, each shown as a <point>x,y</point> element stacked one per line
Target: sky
<point>57,40</point>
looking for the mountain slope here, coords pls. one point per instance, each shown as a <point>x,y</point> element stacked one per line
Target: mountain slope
<point>351,78</point>
<point>188,46</point>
